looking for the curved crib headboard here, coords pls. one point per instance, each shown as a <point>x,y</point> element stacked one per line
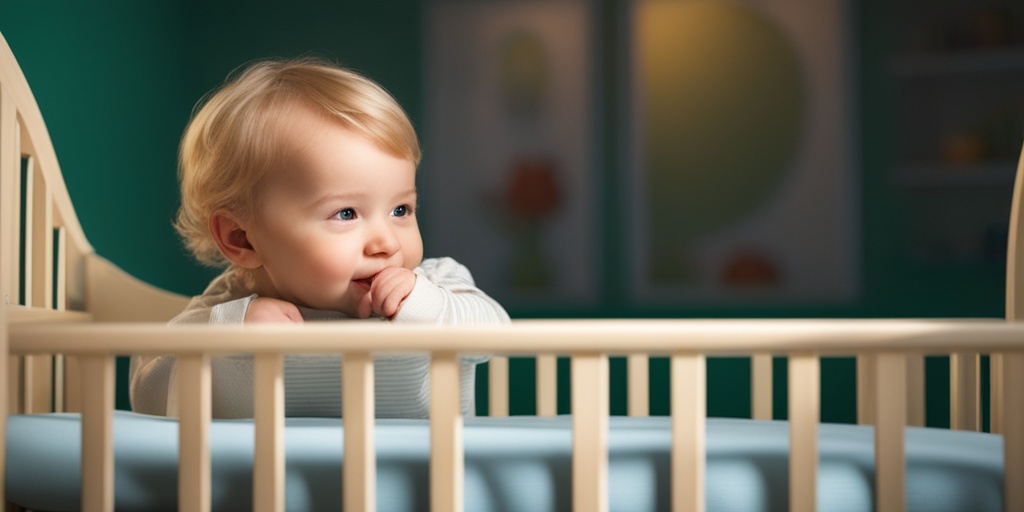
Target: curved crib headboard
<point>29,172</point>
<point>48,269</point>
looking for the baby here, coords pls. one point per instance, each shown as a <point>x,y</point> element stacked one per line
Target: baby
<point>299,177</point>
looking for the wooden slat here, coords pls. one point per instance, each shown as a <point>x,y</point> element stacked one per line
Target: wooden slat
<point>15,397</point>
<point>60,272</point>
<point>72,392</point>
<point>804,414</point>
<point>497,386</point>
<point>268,395</point>
<point>997,402</point>
<point>59,404</point>
<point>866,389</point>
<point>639,383</point>
<point>915,389</point>
<point>359,473</point>
<point>446,455</point>
<point>60,303</point>
<point>10,165</point>
<point>194,411</point>
<point>891,418</point>
<point>97,433</point>
<point>689,418</point>
<point>589,432</point>
<point>38,281</point>
<point>42,240</point>
<point>965,391</point>
<point>39,378</point>
<point>13,294</point>
<point>547,385</point>
<point>1013,437</point>
<point>761,386</point>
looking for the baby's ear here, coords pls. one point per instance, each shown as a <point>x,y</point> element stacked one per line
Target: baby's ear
<point>232,240</point>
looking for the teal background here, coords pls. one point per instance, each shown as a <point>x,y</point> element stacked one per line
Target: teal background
<point>116,82</point>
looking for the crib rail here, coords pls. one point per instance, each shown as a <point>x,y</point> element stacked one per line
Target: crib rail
<point>589,343</point>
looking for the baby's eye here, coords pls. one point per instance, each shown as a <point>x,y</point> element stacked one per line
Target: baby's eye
<point>401,211</point>
<point>345,214</point>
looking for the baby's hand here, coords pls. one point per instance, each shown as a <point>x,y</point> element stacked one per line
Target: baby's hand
<point>268,310</point>
<point>389,290</point>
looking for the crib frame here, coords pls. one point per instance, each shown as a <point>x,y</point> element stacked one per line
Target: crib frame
<point>68,313</point>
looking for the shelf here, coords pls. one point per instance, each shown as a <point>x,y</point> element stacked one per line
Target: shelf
<point>977,61</point>
<point>985,174</point>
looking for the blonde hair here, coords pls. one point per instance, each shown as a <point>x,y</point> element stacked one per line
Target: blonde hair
<point>230,143</point>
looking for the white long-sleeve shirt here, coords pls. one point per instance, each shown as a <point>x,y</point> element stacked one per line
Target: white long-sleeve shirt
<point>444,293</point>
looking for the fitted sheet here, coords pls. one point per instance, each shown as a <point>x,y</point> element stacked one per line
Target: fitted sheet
<point>520,463</point>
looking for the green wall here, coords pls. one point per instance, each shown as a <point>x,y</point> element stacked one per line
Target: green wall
<point>117,83</point>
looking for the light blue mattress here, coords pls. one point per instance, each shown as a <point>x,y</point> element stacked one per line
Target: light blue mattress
<point>512,464</point>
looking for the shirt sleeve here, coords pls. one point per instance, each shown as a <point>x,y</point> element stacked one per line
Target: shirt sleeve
<point>445,293</point>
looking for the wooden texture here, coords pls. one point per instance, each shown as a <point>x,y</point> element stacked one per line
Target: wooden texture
<point>689,418</point>
<point>194,432</point>
<point>638,374</point>
<point>359,470</point>
<point>804,414</point>
<point>98,433</point>
<point>1013,432</point>
<point>547,385</point>
<point>761,386</point>
<point>268,396</point>
<point>497,389</point>
<point>891,420</point>
<point>965,391</point>
<point>589,432</point>
<point>446,457</point>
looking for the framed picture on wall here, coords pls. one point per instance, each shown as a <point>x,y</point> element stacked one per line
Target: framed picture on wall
<point>742,184</point>
<point>509,175</point>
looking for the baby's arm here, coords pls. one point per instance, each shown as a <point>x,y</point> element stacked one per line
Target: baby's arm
<point>152,378</point>
<point>268,310</point>
<point>445,293</point>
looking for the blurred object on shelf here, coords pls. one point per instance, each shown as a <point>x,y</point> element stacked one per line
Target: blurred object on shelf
<point>963,148</point>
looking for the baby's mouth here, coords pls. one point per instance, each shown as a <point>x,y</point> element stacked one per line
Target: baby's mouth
<point>365,282</point>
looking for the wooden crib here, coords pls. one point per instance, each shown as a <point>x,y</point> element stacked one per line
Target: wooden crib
<point>69,313</point>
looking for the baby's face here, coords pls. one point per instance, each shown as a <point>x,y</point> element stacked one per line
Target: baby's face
<point>337,212</point>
